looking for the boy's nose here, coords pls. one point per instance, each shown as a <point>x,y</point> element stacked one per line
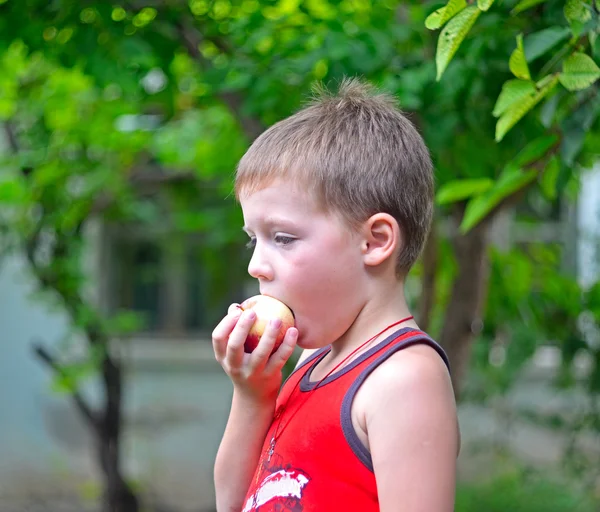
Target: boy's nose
<point>258,267</point>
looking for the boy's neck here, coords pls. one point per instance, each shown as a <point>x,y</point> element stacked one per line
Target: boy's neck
<point>380,311</point>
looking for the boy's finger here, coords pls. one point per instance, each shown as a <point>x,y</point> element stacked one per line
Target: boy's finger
<point>284,352</point>
<point>234,355</point>
<point>221,333</point>
<point>260,355</point>
<point>234,308</point>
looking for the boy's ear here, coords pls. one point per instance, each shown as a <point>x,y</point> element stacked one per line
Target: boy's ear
<point>382,238</point>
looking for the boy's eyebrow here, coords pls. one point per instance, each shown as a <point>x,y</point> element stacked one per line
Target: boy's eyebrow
<point>273,221</point>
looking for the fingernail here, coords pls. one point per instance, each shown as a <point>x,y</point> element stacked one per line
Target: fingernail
<point>276,323</point>
<point>251,315</point>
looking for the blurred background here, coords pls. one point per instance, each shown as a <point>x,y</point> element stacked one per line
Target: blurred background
<point>121,244</point>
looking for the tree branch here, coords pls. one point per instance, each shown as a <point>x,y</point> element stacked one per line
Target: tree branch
<point>251,126</point>
<point>539,165</point>
<point>428,280</point>
<point>143,177</point>
<point>191,39</point>
<point>31,242</point>
<point>14,144</point>
<point>42,353</point>
<point>10,135</point>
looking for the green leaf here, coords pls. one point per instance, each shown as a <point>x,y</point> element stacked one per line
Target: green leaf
<point>458,190</point>
<point>8,103</point>
<point>538,43</point>
<point>512,92</point>
<point>11,191</point>
<point>510,181</point>
<point>572,143</point>
<point>579,72</point>
<point>576,127</point>
<point>63,384</point>
<point>484,5</point>
<point>577,11</point>
<point>452,36</point>
<point>126,322</point>
<point>440,17</point>
<point>549,178</point>
<point>536,149</point>
<point>548,110</point>
<point>515,113</point>
<point>517,63</point>
<point>595,46</point>
<point>523,5</point>
<point>71,375</point>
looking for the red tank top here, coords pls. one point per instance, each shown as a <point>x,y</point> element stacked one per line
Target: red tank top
<point>318,462</point>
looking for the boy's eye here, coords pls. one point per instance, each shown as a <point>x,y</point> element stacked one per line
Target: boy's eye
<point>251,243</point>
<point>284,240</point>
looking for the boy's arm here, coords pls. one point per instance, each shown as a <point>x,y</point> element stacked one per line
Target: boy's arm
<point>239,451</point>
<point>256,379</point>
<point>412,431</point>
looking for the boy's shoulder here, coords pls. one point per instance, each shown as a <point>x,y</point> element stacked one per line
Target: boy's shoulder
<point>413,369</point>
<point>409,394</point>
<point>412,376</point>
<point>415,364</point>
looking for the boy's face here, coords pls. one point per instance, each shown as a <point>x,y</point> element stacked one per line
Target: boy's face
<point>308,259</point>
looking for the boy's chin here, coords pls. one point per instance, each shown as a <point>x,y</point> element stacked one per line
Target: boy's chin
<point>306,343</point>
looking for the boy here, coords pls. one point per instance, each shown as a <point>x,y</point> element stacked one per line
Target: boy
<point>337,202</point>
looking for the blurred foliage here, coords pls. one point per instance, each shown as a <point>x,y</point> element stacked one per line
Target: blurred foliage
<point>531,303</point>
<point>523,491</point>
<point>187,84</point>
<point>556,43</point>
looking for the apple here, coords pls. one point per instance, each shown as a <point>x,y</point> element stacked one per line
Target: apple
<point>266,308</point>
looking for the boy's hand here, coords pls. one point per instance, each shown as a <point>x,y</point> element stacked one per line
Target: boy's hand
<point>256,376</point>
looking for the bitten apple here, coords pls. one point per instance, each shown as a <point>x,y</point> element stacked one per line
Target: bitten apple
<point>266,308</point>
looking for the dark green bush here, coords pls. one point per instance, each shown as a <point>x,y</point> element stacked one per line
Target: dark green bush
<point>523,492</point>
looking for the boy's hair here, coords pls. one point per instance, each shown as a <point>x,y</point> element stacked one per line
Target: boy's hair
<point>357,154</point>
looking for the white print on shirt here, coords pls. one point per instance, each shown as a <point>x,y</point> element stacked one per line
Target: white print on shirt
<point>282,484</point>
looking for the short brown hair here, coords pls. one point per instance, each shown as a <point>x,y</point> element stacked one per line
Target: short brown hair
<point>358,154</point>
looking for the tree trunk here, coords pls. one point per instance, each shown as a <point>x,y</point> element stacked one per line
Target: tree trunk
<point>428,288</point>
<point>118,497</point>
<point>105,423</point>
<point>463,318</point>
